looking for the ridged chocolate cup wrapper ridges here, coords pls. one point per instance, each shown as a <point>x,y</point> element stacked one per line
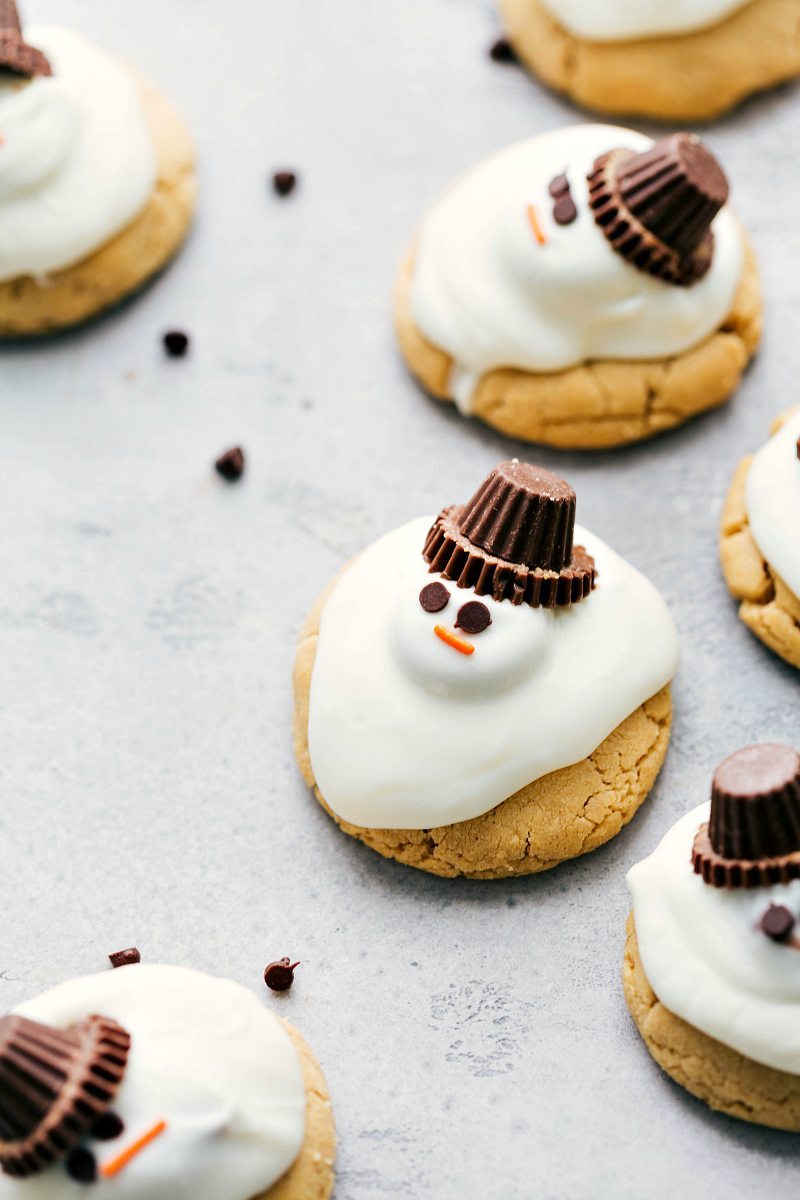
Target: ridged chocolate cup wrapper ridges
<point>54,1084</point>
<point>752,838</point>
<point>522,514</point>
<point>16,56</point>
<point>451,555</point>
<point>656,208</point>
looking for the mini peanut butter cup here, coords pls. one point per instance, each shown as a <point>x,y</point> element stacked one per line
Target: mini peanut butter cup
<point>513,540</point>
<point>752,838</point>
<point>54,1085</point>
<point>656,208</point>
<point>16,56</point>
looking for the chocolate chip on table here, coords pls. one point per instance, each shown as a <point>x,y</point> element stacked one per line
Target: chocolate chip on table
<point>230,465</point>
<point>81,1165</point>
<point>777,922</point>
<point>502,51</point>
<point>559,186</point>
<point>107,1127</point>
<point>564,210</point>
<point>279,976</point>
<point>125,958</point>
<point>473,617</point>
<point>434,597</point>
<point>176,343</point>
<point>284,182</point>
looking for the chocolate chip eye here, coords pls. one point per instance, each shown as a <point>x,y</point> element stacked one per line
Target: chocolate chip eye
<point>473,617</point>
<point>434,597</point>
<point>107,1127</point>
<point>81,1165</point>
<point>777,923</point>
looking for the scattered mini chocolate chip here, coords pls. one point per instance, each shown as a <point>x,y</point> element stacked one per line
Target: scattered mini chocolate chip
<point>434,597</point>
<point>559,186</point>
<point>473,617</point>
<point>81,1165</point>
<point>502,51</point>
<point>777,922</point>
<point>107,1127</point>
<point>279,976</point>
<point>125,958</point>
<point>230,465</point>
<point>176,343</point>
<point>284,182</point>
<point>564,210</point>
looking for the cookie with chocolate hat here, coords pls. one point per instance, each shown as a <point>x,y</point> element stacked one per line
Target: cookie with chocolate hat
<point>585,288</point>
<point>686,60</point>
<point>712,962</point>
<point>152,1097</point>
<point>485,691</point>
<point>97,182</point>
<point>759,546</point>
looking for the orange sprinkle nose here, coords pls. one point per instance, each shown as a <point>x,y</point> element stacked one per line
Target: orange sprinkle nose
<point>533,221</point>
<point>452,639</point>
<point>115,1165</point>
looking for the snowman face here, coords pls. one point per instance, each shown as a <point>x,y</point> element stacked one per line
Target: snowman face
<point>454,643</point>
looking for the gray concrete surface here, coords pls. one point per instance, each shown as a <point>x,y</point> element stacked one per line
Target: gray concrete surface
<point>474,1035</point>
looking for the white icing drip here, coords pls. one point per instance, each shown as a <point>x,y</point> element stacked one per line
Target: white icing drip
<point>77,161</point>
<point>207,1058</point>
<point>487,293</point>
<point>772,500</point>
<point>627,20</point>
<point>707,960</point>
<point>406,732</point>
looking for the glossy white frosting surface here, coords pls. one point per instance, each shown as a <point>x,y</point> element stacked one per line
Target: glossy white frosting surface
<point>77,161</point>
<point>406,732</point>
<point>706,958</point>
<point>485,291</point>
<point>772,501</point>
<point>627,20</point>
<point>206,1057</point>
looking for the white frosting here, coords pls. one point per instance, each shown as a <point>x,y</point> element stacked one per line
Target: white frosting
<point>207,1058</point>
<point>406,732</point>
<point>626,20</point>
<point>77,161</point>
<point>772,501</point>
<point>487,293</point>
<point>707,960</point>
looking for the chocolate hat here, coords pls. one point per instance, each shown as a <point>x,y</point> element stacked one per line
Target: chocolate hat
<point>16,56</point>
<point>54,1084</point>
<point>753,836</point>
<point>656,207</point>
<point>513,540</point>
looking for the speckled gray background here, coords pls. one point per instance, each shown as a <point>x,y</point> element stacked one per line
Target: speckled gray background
<point>474,1035</point>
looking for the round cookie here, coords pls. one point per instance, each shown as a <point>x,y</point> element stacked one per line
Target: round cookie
<point>689,76</point>
<point>768,606</point>
<point>711,1071</point>
<point>561,814</point>
<point>185,1085</point>
<point>711,973</point>
<point>616,380</point>
<point>43,301</point>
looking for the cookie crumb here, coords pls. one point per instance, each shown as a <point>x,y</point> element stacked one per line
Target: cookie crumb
<point>125,958</point>
<point>230,465</point>
<point>279,976</point>
<point>284,182</point>
<point>176,343</point>
<point>502,51</point>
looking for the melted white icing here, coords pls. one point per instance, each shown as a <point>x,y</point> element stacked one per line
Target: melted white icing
<point>626,20</point>
<point>487,293</point>
<point>207,1058</point>
<point>406,732</point>
<point>772,500</point>
<point>77,161</point>
<point>707,960</point>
